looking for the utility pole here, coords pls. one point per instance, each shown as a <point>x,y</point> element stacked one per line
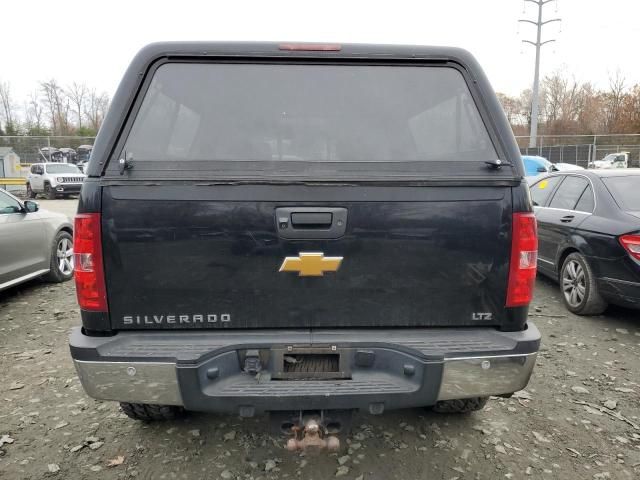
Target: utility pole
<point>533,134</point>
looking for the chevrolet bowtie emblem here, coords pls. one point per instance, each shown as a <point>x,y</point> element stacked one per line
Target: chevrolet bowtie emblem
<point>311,264</point>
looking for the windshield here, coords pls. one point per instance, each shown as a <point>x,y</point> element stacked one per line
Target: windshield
<point>308,114</point>
<point>625,191</point>
<point>62,168</point>
<point>613,157</point>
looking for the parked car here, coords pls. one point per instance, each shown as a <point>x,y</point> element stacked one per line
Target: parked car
<point>613,160</point>
<point>54,179</point>
<point>34,243</point>
<point>69,155</point>
<point>589,236</point>
<point>84,153</point>
<point>566,167</point>
<point>255,233</point>
<point>535,165</point>
<point>50,154</point>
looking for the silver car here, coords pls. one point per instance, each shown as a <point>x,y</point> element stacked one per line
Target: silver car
<point>33,243</point>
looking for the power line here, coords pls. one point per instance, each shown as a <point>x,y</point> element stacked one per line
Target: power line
<point>536,77</point>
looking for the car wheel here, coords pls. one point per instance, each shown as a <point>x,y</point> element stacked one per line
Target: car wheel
<point>463,405</point>
<point>148,413</point>
<point>579,288</point>
<point>49,191</point>
<point>61,268</point>
<point>30,192</point>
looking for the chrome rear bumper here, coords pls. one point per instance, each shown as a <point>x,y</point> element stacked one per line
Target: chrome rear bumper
<point>135,382</point>
<point>402,373</point>
<point>157,383</point>
<point>482,376</point>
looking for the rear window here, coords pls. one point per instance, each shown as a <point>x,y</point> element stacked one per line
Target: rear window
<point>314,114</point>
<point>625,191</point>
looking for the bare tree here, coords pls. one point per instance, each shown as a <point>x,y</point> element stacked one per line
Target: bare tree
<point>58,106</point>
<point>613,100</point>
<point>34,111</point>
<point>631,111</point>
<point>28,116</point>
<point>510,107</point>
<point>524,100</point>
<point>553,88</point>
<point>572,107</point>
<point>96,107</point>
<point>564,99</point>
<point>590,115</point>
<point>49,90</point>
<point>8,112</point>
<point>77,93</point>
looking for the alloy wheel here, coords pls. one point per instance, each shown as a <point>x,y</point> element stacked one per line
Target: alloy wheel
<point>574,283</point>
<point>64,253</point>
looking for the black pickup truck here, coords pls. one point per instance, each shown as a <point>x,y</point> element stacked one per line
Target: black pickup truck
<point>304,228</point>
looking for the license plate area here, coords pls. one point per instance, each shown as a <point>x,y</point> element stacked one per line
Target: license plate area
<point>310,363</point>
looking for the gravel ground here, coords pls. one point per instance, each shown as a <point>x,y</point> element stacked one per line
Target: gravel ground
<point>579,418</point>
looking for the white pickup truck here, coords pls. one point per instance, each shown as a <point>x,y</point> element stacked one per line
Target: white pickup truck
<point>613,160</point>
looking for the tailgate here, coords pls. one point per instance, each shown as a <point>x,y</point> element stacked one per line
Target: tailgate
<point>301,192</point>
<point>210,257</point>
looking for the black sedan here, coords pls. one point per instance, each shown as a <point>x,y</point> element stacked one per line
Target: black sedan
<point>589,236</point>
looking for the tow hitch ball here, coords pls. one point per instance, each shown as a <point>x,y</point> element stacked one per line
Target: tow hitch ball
<point>312,436</point>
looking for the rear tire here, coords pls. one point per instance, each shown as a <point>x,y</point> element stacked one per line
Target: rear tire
<point>49,191</point>
<point>30,192</point>
<point>148,413</point>
<point>61,263</point>
<point>463,405</point>
<point>579,288</point>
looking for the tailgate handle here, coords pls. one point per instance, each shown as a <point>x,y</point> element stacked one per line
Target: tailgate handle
<point>313,223</point>
<point>311,220</point>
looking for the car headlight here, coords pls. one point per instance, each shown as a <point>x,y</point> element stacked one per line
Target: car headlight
<point>59,179</point>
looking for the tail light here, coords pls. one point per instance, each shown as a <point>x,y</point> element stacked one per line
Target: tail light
<point>631,243</point>
<point>89,273</point>
<point>524,255</point>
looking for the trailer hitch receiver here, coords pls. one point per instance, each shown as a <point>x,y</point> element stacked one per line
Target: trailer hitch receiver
<point>312,437</point>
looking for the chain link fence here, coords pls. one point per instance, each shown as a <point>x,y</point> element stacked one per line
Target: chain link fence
<point>582,149</point>
<point>18,153</point>
<point>42,149</point>
<point>575,149</point>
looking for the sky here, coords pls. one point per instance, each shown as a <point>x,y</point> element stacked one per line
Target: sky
<point>93,42</point>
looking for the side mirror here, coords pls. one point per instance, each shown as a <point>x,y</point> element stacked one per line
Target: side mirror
<point>30,206</point>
